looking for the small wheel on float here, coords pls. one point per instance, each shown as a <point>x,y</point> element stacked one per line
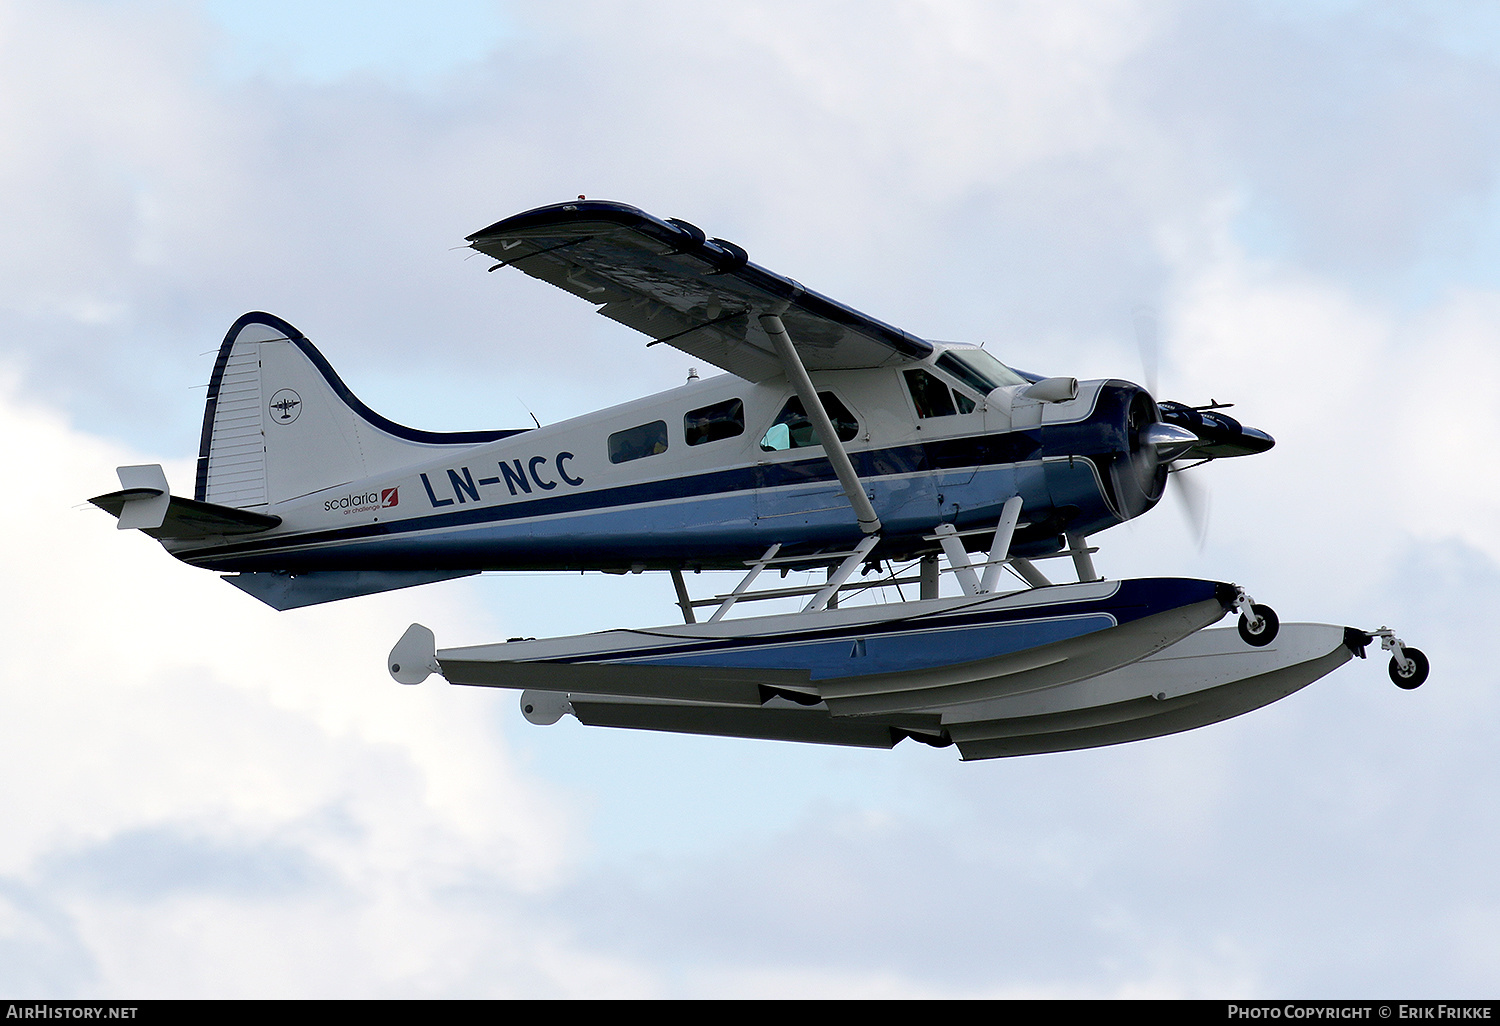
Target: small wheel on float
<point>1263,631</point>
<point>1415,673</point>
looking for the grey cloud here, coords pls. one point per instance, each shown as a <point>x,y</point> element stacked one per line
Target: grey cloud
<point>154,863</point>
<point>41,949</point>
<point>1363,139</point>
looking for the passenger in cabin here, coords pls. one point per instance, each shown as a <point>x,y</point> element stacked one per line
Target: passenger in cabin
<point>792,429</point>
<point>638,442</point>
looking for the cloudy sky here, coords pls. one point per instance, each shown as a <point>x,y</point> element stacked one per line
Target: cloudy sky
<point>202,797</point>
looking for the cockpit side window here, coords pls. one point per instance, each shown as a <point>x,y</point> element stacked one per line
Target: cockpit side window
<point>792,429</point>
<point>930,396</point>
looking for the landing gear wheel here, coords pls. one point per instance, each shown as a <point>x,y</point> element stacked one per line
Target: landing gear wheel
<point>1265,632</point>
<point>1415,676</point>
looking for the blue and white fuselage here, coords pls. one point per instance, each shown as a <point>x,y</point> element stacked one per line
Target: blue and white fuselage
<point>705,475</point>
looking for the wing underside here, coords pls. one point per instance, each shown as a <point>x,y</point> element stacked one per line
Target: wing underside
<point>699,295</point>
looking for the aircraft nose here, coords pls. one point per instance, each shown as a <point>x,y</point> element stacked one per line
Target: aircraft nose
<point>1169,440</point>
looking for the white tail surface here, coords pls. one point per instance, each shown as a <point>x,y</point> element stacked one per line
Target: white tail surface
<point>280,424</point>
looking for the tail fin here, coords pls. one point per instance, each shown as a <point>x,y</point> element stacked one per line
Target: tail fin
<point>279,423</point>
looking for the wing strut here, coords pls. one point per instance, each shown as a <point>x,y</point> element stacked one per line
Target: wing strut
<point>683,601</point>
<point>869,523</point>
<point>749,579</point>
<point>1005,530</point>
<point>837,578</point>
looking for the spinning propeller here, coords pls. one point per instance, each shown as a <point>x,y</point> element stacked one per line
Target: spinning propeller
<point>1189,436</point>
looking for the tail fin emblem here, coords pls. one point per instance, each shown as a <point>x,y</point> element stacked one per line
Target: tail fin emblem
<point>285,405</point>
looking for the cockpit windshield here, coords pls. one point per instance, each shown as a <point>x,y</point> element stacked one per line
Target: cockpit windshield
<point>978,370</point>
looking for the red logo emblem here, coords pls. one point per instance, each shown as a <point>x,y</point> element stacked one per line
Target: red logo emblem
<point>388,497</point>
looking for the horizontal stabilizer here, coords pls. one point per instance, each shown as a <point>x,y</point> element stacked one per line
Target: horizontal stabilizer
<point>185,519</point>
<point>144,502</point>
<point>289,591</point>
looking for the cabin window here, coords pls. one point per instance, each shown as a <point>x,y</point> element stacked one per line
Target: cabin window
<point>638,442</point>
<point>721,420</point>
<point>929,395</point>
<point>792,429</point>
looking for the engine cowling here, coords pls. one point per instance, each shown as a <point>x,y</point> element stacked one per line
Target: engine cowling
<point>1128,444</point>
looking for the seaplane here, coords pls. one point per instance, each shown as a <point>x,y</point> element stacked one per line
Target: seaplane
<point>832,442</point>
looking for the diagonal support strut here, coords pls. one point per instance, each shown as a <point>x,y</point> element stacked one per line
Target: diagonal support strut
<point>869,523</point>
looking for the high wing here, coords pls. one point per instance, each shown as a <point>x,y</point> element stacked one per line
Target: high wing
<point>700,295</point>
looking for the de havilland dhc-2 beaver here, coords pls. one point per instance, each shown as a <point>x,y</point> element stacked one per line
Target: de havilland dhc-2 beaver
<point>834,442</point>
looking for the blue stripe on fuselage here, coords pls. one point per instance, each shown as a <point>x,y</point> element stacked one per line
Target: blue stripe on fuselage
<point>732,511</point>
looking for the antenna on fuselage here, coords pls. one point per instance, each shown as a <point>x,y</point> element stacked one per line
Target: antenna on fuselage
<point>528,410</point>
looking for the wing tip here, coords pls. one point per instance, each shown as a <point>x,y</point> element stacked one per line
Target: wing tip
<point>571,212</point>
